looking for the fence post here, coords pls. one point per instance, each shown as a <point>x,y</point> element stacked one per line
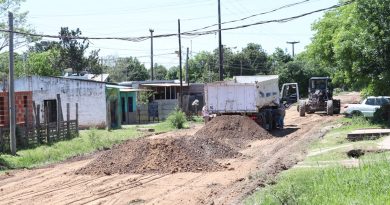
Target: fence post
<point>77,119</point>
<point>48,138</point>
<point>68,120</point>
<point>58,116</point>
<point>38,123</point>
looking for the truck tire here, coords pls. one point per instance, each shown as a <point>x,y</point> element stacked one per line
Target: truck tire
<point>329,107</point>
<point>336,107</point>
<point>302,110</point>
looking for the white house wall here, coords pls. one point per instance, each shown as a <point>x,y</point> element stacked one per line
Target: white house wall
<point>90,96</point>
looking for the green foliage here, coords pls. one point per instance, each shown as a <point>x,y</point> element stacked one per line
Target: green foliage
<point>172,73</point>
<point>72,50</point>
<point>382,115</point>
<point>144,97</point>
<point>160,72</point>
<point>366,184</point>
<point>177,119</point>
<point>127,69</point>
<point>43,63</point>
<point>354,41</point>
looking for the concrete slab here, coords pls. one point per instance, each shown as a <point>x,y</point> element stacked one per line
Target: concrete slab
<point>367,134</point>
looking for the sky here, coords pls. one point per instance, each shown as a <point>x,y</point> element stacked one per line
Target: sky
<point>133,18</point>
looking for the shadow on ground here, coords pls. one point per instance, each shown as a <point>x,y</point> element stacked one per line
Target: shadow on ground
<point>284,132</point>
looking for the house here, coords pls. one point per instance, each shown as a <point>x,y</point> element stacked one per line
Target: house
<point>90,96</point>
<point>23,108</point>
<point>166,96</point>
<point>122,105</point>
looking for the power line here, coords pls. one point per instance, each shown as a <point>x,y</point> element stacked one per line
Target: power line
<point>189,33</point>
<point>254,15</point>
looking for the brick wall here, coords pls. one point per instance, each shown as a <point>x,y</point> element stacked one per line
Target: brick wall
<point>23,100</point>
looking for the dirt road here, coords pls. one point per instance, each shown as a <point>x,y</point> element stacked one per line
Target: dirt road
<point>260,162</point>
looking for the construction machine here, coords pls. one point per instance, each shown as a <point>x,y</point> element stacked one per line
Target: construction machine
<point>320,98</point>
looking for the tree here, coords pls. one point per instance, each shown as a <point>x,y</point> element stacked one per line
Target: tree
<point>172,73</point>
<point>72,50</point>
<point>353,41</point>
<point>93,63</point>
<point>20,23</point>
<point>43,63</point>
<point>160,72</point>
<point>128,69</point>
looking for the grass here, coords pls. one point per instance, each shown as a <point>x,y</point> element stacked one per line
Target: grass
<point>88,142</point>
<point>338,135</point>
<point>367,184</point>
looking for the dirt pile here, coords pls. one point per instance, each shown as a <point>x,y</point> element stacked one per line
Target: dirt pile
<point>216,140</point>
<point>234,130</point>
<point>169,155</point>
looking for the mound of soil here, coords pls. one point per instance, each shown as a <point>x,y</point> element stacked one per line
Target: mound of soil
<point>167,155</point>
<point>234,130</point>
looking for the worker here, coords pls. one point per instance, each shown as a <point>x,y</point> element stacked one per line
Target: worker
<point>281,114</point>
<point>205,114</point>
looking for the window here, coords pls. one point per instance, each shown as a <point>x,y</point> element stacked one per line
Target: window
<point>370,101</point>
<point>382,101</point>
<point>130,104</point>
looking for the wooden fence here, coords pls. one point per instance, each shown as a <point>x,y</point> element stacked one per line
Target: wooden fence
<point>31,134</point>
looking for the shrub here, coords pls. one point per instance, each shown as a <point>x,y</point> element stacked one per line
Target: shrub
<point>177,118</point>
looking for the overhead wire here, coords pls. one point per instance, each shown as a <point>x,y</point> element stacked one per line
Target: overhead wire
<point>187,33</point>
<point>254,15</point>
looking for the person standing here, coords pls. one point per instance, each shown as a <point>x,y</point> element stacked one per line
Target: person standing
<point>281,115</point>
<point>205,114</point>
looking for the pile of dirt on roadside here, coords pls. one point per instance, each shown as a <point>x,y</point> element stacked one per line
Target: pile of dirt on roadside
<point>166,155</point>
<point>234,130</point>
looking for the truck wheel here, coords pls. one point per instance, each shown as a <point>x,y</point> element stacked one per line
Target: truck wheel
<point>302,106</point>
<point>336,107</point>
<point>329,107</point>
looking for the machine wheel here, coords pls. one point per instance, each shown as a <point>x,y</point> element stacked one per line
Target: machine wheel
<point>336,107</point>
<point>329,107</point>
<point>302,106</point>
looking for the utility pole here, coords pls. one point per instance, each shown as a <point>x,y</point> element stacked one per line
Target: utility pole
<point>180,67</point>
<point>220,43</point>
<point>187,74</point>
<point>293,43</point>
<point>11,103</point>
<point>151,52</point>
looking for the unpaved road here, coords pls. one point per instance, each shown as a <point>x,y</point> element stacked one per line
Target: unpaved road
<point>262,160</point>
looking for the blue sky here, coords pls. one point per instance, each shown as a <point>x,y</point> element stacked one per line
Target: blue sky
<point>130,18</point>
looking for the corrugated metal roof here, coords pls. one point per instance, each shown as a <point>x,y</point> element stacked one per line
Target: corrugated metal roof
<point>164,85</point>
<point>253,79</point>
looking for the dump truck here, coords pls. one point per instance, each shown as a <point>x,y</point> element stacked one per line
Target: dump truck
<point>254,96</point>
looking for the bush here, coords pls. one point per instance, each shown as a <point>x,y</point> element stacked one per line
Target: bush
<point>177,118</point>
<point>382,115</point>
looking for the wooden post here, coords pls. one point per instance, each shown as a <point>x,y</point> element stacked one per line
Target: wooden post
<point>68,120</point>
<point>48,138</point>
<point>38,124</point>
<point>108,115</point>
<point>58,116</point>
<point>26,128</point>
<point>77,119</point>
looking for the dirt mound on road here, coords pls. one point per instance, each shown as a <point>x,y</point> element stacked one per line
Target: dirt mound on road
<point>234,130</point>
<point>169,155</point>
